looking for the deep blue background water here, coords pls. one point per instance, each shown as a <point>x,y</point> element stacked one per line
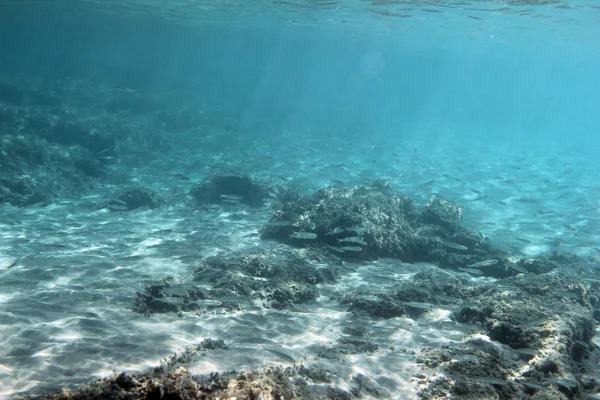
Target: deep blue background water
<point>484,78</point>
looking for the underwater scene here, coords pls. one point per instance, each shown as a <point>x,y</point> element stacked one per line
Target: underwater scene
<point>299,199</point>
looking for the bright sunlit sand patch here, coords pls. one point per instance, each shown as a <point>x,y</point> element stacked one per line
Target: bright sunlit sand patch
<point>438,315</point>
<point>436,337</point>
<point>149,242</point>
<point>66,337</point>
<point>4,297</point>
<point>161,267</point>
<point>536,250</point>
<point>402,336</point>
<point>5,370</point>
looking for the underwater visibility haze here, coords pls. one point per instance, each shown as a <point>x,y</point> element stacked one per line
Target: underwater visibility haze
<point>361,199</point>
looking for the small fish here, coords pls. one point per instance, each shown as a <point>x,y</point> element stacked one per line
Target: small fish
<point>231,197</point>
<point>504,288</point>
<point>534,323</point>
<point>423,185</point>
<point>102,152</point>
<point>336,249</point>
<point>133,257</point>
<point>527,201</point>
<point>527,352</point>
<point>478,198</point>
<point>565,382</point>
<point>75,288</point>
<point>567,294</point>
<point>168,300</point>
<point>585,244</point>
<point>485,263</point>
<point>519,269</point>
<point>353,239</point>
<point>233,299</point>
<point>351,248</point>
<point>453,245</point>
<point>207,303</point>
<point>356,229</point>
<point>335,231</point>
<point>465,357</point>
<point>279,223</point>
<point>6,264</point>
<point>124,89</point>
<point>476,191</point>
<point>180,177</point>
<point>303,235</point>
<point>492,381</point>
<point>281,355</point>
<point>472,271</point>
<point>448,299</point>
<point>370,297</point>
<point>416,304</point>
<point>115,207</point>
<point>333,166</point>
<point>520,239</point>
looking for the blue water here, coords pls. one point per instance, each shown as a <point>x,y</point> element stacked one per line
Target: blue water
<point>456,93</point>
<point>509,76</point>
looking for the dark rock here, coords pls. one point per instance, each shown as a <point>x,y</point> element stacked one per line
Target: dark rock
<point>125,381</point>
<point>213,344</point>
<point>230,189</point>
<point>373,221</point>
<point>131,199</point>
<point>578,351</point>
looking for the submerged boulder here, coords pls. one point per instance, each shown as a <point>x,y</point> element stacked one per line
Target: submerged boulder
<point>230,189</point>
<point>132,199</point>
<point>33,171</point>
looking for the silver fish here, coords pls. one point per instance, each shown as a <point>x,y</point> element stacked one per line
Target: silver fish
<point>335,231</point>
<point>279,223</point>
<point>485,263</point>
<point>353,239</point>
<point>472,271</point>
<point>336,249</point>
<point>519,269</point>
<point>304,235</point>
<point>453,245</point>
<point>532,323</point>
<point>351,248</point>
<point>231,197</point>
<point>356,229</point>
<point>8,263</point>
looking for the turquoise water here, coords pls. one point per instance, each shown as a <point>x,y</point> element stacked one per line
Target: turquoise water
<point>492,105</point>
<point>523,71</point>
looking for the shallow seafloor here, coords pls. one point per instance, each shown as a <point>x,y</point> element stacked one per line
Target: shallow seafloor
<point>76,257</point>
